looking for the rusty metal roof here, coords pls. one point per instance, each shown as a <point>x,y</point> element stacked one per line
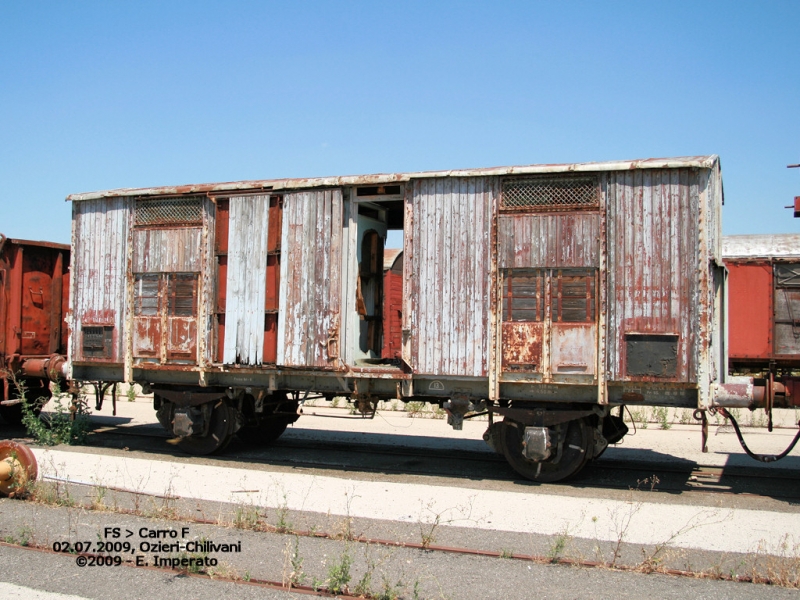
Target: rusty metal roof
<point>774,245</point>
<point>705,162</point>
<point>39,243</point>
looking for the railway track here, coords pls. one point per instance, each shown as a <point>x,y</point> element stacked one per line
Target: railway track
<point>449,467</point>
<point>606,478</point>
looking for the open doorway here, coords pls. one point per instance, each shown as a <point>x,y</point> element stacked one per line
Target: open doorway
<point>378,281</point>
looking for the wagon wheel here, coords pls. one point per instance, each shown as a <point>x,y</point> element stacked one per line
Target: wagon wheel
<point>17,467</point>
<point>576,450</point>
<point>219,433</point>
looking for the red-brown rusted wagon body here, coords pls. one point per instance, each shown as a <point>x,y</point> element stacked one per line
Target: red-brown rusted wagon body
<point>34,295</point>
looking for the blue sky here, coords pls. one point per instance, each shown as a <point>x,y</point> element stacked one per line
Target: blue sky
<point>98,95</point>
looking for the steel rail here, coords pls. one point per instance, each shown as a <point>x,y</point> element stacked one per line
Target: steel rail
<point>702,475</point>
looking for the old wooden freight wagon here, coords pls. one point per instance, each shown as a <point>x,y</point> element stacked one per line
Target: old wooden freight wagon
<point>546,294</point>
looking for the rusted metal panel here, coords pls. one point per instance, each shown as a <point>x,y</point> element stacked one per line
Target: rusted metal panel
<point>146,337</point>
<point>548,240</point>
<point>309,321</point>
<point>221,226</point>
<point>99,264</point>
<point>32,300</point>
<point>272,298</point>
<point>275,224</point>
<point>450,270</point>
<point>522,346</point>
<point>653,259</point>
<point>182,341</point>
<point>246,279</point>
<point>702,162</point>
<point>38,302</point>
<point>573,348</point>
<point>167,250</point>
<point>651,355</point>
<point>270,353</point>
<point>750,310</point>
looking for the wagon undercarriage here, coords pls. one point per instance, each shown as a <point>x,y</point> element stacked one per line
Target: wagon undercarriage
<point>540,442</point>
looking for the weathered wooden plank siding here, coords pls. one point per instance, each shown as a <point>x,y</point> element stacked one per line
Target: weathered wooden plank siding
<point>310,279</point>
<point>167,250</point>
<point>450,272</point>
<point>652,263</point>
<point>548,240</point>
<point>99,264</point>
<point>248,227</point>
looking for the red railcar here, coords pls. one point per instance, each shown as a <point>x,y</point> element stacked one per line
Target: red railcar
<point>34,296</point>
<point>763,303</point>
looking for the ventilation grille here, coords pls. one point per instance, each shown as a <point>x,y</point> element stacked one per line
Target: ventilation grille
<point>549,193</point>
<point>787,275</point>
<point>97,341</point>
<point>169,211</point>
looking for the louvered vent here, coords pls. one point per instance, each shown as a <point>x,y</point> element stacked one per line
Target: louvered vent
<point>548,193</point>
<point>97,341</point>
<point>169,211</point>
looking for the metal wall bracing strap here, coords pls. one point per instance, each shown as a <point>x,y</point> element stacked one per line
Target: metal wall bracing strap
<point>765,458</point>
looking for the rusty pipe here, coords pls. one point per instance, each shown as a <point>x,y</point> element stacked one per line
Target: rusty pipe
<point>745,392</point>
<point>738,392</point>
<point>54,367</point>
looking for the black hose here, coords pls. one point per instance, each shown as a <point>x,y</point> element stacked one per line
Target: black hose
<point>765,458</point>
